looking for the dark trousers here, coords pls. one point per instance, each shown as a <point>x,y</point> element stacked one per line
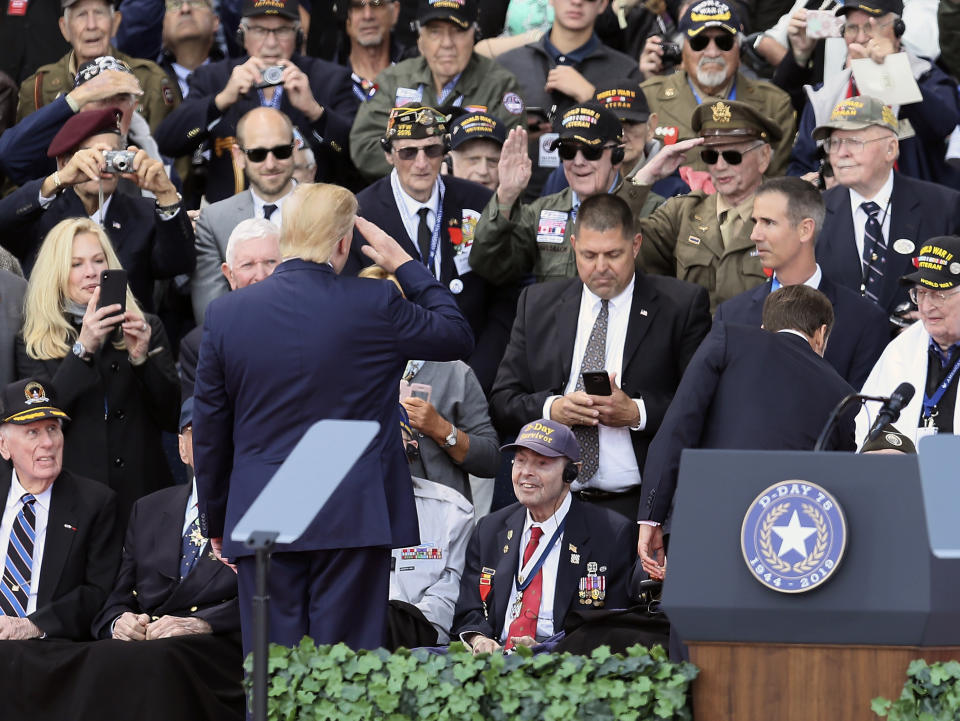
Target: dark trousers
<point>331,596</point>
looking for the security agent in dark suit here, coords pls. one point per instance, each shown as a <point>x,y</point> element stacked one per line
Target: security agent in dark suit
<point>443,238</point>
<point>153,238</point>
<point>572,557</point>
<point>862,142</point>
<point>57,592</point>
<point>747,388</point>
<point>315,94</point>
<point>652,327</point>
<point>788,214</point>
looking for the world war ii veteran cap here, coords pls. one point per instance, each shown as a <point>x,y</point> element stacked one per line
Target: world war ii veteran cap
<point>709,14</point>
<point>476,126</point>
<point>548,438</point>
<point>625,99</point>
<point>26,401</point>
<point>462,13</point>
<point>890,439</point>
<point>82,126</point>
<point>938,264</point>
<point>876,8</point>
<point>729,121</point>
<point>289,9</point>
<point>416,122</point>
<point>590,124</point>
<point>862,111</point>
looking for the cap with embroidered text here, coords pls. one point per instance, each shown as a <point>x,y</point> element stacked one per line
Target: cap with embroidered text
<point>548,438</point>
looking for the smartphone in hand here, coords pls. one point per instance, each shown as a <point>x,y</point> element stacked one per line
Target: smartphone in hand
<point>597,383</point>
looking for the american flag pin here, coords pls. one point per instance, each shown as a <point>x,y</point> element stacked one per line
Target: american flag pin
<point>67,525</point>
<point>116,225</point>
<point>643,311</point>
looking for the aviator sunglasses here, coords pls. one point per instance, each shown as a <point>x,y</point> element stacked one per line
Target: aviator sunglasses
<point>258,155</point>
<point>723,42</point>
<point>730,157</point>
<point>568,151</point>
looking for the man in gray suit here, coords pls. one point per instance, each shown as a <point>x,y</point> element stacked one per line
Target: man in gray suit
<point>264,149</point>
<point>12,289</point>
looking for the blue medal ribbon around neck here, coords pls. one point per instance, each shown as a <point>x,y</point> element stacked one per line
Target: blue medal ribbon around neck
<point>521,587</point>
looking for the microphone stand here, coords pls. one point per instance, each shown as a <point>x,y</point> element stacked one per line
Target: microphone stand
<point>835,413</point>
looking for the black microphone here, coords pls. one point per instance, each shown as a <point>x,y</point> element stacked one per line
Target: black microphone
<point>835,413</point>
<point>890,411</point>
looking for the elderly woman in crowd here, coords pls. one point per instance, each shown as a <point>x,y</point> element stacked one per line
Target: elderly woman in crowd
<point>113,369</point>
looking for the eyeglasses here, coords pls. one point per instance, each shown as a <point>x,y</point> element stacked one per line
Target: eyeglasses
<point>854,145</point>
<point>431,151</point>
<point>374,4</point>
<point>258,155</point>
<point>175,5</point>
<point>258,32</point>
<point>723,42</point>
<point>730,157</point>
<point>852,31</point>
<point>568,151</point>
<point>936,297</point>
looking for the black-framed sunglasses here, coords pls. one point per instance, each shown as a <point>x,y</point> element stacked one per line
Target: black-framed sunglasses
<point>361,4</point>
<point>730,157</point>
<point>258,155</point>
<point>568,151</point>
<point>431,151</point>
<point>723,42</point>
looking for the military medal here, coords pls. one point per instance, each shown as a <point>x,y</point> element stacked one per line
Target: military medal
<point>486,583</point>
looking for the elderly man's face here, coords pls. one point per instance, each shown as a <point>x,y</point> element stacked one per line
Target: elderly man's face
<point>88,26</point>
<point>269,38</point>
<point>102,142</point>
<point>940,313</point>
<point>478,160</point>
<point>737,181</point>
<point>253,260</point>
<point>711,67</point>
<point>188,20</point>
<point>36,451</point>
<point>859,27</point>
<point>185,445</point>
<point>605,259</point>
<point>370,25</point>
<point>538,482</point>
<point>445,47</point>
<point>861,159</point>
<point>418,174</point>
<point>589,177</point>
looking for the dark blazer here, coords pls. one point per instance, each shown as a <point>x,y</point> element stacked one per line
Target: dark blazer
<point>80,554</point>
<point>746,388</point>
<point>668,319</point>
<point>149,577</point>
<point>860,329</point>
<point>918,211</point>
<point>148,248</point>
<point>488,308</point>
<point>598,535</point>
<point>189,355</point>
<point>291,377</point>
<point>182,132</point>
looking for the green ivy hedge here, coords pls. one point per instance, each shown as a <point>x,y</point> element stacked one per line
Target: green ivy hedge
<point>931,693</point>
<point>333,682</point>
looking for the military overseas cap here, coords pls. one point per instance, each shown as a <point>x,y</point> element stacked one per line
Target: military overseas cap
<point>730,121</point>
<point>709,14</point>
<point>862,111</point>
<point>548,438</point>
<point>82,126</point>
<point>289,9</point>
<point>625,99</point>
<point>416,122</point>
<point>462,13</point>
<point>590,124</point>
<point>938,264</point>
<point>876,8</point>
<point>92,68</point>
<point>26,401</point>
<point>890,439</point>
<point>476,126</point>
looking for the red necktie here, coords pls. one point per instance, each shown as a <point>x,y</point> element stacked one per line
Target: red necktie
<point>526,623</point>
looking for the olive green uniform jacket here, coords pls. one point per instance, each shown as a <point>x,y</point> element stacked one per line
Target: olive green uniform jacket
<point>672,99</point>
<point>483,85</point>
<point>160,95</point>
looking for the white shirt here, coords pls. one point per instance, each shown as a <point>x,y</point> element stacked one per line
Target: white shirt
<point>41,510</point>
<point>549,569</point>
<point>183,74</point>
<point>812,282</point>
<point>618,469</point>
<point>277,216</point>
<point>192,510</point>
<point>409,207</point>
<point>882,198</point>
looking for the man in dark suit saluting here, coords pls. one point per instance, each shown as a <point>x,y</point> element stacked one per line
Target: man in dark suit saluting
<point>303,345</point>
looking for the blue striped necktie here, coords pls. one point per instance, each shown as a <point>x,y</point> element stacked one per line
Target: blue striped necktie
<point>15,587</point>
<point>874,251</point>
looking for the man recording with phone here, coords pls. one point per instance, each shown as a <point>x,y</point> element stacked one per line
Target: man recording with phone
<point>638,330</point>
<point>315,94</point>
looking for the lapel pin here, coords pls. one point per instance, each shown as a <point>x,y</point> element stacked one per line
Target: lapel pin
<point>509,534</point>
<point>67,525</point>
<point>572,548</point>
<point>506,549</point>
<point>575,558</point>
<point>643,311</point>
<point>116,225</point>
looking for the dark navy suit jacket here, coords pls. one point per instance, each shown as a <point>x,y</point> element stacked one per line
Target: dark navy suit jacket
<point>745,388</point>
<point>918,211</point>
<point>598,535</point>
<point>303,345</point>
<point>488,308</point>
<point>860,329</point>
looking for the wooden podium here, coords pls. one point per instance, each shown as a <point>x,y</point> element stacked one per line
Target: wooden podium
<point>824,654</point>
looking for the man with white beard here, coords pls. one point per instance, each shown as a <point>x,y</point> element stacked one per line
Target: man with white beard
<point>710,71</point>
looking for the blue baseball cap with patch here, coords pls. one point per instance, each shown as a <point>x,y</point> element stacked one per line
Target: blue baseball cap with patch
<point>548,438</point>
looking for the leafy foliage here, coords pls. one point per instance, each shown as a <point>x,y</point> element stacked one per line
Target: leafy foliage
<point>931,693</point>
<point>310,683</point>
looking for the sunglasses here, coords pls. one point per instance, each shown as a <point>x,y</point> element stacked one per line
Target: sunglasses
<point>431,151</point>
<point>568,151</point>
<point>730,157</point>
<point>723,42</point>
<point>361,4</point>
<point>258,155</point>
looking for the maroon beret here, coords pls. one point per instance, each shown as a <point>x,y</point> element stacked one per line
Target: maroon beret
<point>81,126</point>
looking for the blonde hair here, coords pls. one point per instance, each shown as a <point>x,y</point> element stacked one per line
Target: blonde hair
<point>315,217</point>
<point>375,272</point>
<point>47,331</point>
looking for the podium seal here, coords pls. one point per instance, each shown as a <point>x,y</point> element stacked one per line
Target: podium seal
<point>793,536</point>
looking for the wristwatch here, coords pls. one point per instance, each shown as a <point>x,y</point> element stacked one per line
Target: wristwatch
<point>79,351</point>
<point>169,209</point>
<point>451,440</point>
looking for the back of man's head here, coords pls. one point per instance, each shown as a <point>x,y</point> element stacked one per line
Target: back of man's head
<point>315,217</point>
<point>803,200</point>
<point>797,307</point>
<point>604,212</point>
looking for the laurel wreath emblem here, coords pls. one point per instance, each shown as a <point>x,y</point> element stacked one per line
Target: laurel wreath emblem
<point>820,548</point>
<point>766,547</point>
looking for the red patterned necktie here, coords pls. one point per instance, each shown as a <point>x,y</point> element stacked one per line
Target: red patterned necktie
<point>526,623</point>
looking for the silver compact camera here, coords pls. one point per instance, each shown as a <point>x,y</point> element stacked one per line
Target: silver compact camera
<point>271,76</point>
<point>118,161</point>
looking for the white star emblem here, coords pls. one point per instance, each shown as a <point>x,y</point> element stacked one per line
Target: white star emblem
<point>794,536</point>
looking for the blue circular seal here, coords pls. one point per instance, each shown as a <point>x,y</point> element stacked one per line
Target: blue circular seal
<point>793,536</point>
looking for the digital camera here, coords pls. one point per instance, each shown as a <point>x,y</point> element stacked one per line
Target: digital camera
<point>118,161</point>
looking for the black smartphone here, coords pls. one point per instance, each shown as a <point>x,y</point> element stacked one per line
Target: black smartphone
<point>113,288</point>
<point>597,383</point>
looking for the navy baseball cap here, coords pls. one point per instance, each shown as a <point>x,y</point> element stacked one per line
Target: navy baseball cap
<point>548,438</point>
<point>186,414</point>
<point>476,126</point>
<point>709,14</point>
<point>27,400</point>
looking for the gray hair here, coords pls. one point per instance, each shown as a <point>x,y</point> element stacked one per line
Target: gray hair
<point>249,229</point>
